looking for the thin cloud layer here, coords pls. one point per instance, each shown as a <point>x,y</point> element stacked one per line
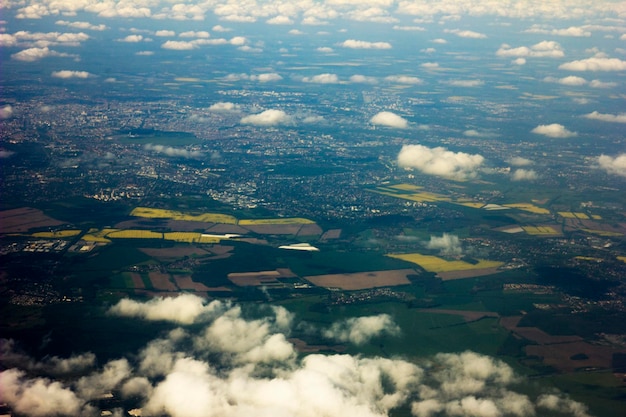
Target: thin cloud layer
<point>389,119</point>
<point>524,175</point>
<point>356,44</point>
<point>553,130</point>
<point>440,161</point>
<point>171,151</point>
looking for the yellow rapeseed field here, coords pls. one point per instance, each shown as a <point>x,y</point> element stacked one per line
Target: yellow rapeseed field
<point>59,234</point>
<point>135,234</point>
<point>287,220</point>
<point>528,207</point>
<point>178,215</point>
<point>540,230</point>
<point>437,264</point>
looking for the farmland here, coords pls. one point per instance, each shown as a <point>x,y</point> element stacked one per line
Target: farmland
<point>436,264</point>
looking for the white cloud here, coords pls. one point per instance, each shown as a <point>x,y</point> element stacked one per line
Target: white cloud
<point>447,244</point>
<point>171,151</point>
<point>263,78</point>
<point>544,49</point>
<point>6,112</point>
<point>519,61</point>
<point>363,79</point>
<point>606,117</point>
<point>35,54</point>
<point>165,33</point>
<point>439,41</point>
<point>144,53</point>
<point>267,118</point>
<point>430,65</point>
<point>519,161</point>
<point>71,74</point>
<point>466,33</point>
<point>356,44</point>
<point>360,330</point>
<point>410,28</point>
<point>220,28</point>
<point>178,45</point>
<point>322,79</point>
<point>465,83</point>
<point>325,49</point>
<point>602,84</point>
<point>132,39</point>
<point>616,166</point>
<point>202,34</point>
<point>440,161</point>
<point>595,64</point>
<point>280,20</point>
<point>574,31</point>
<point>183,309</point>
<point>403,79</point>
<point>38,397</point>
<point>82,25</point>
<point>522,174</point>
<point>553,130</point>
<point>571,80</point>
<point>387,118</point>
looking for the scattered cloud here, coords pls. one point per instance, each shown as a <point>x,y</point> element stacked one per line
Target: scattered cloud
<point>602,84</point>
<point>82,25</point>
<point>178,45</point>
<point>262,78</point>
<point>363,79</point>
<point>224,106</point>
<point>613,165</point>
<point>171,151</point>
<point>183,309</point>
<point>131,39</point>
<point>571,80</point>
<point>465,83</point>
<point>280,20</point>
<point>70,74</point>
<point>267,118</point>
<point>202,34</point>
<point>466,33</point>
<point>35,54</point>
<point>595,64</point>
<point>165,33</point>
<point>6,112</point>
<point>325,49</point>
<point>386,118</point>
<point>410,28</point>
<point>440,161</point>
<point>360,330</point>
<point>322,79</point>
<point>574,31</point>
<point>403,79</point>
<point>447,244</point>
<point>544,49</point>
<point>606,117</point>
<point>356,44</point>
<point>519,161</point>
<point>519,61</point>
<point>430,65</point>
<point>553,130</point>
<point>522,174</point>
<point>439,41</point>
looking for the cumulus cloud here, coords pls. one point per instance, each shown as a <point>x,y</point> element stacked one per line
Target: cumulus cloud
<point>519,161</point>
<point>403,79</point>
<point>179,45</point>
<point>466,33</point>
<point>602,84</point>
<point>524,175</point>
<point>165,33</point>
<point>387,118</point>
<point>132,39</point>
<point>280,20</point>
<point>356,44</point>
<point>571,80</point>
<point>267,118</point>
<point>447,244</point>
<point>549,49</point>
<point>202,34</point>
<point>363,79</point>
<point>360,330</point>
<point>440,161</point>
<point>606,117</point>
<point>183,309</point>
<point>82,25</point>
<point>71,74</point>
<point>465,83</point>
<point>322,79</point>
<point>613,165</point>
<point>224,106</point>
<point>35,54</point>
<point>595,64</point>
<point>553,130</point>
<point>241,363</point>
<point>575,31</point>
<point>6,112</point>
